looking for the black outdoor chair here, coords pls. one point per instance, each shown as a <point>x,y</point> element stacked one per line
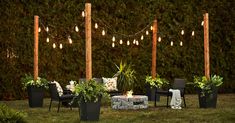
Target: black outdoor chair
<point>66,98</point>
<point>178,84</point>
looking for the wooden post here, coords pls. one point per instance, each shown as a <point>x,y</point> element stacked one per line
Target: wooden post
<point>35,47</point>
<point>88,41</point>
<point>154,49</point>
<point>206,46</point>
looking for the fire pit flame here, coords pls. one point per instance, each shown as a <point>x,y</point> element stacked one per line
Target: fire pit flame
<point>129,94</point>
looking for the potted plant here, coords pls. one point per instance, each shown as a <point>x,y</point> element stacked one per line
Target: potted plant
<point>126,77</point>
<point>153,84</point>
<point>207,90</point>
<point>88,97</point>
<point>35,89</point>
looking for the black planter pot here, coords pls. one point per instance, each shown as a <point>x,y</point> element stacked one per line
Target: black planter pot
<point>35,96</point>
<point>90,111</point>
<point>209,100</point>
<point>150,92</point>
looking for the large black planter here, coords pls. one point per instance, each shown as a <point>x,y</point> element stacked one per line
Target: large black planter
<point>90,111</point>
<point>209,100</point>
<point>35,96</point>
<point>150,92</point>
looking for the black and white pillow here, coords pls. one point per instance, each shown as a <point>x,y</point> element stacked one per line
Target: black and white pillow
<point>110,83</point>
<point>59,88</point>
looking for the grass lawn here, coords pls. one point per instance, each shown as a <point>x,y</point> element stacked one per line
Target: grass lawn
<point>224,113</point>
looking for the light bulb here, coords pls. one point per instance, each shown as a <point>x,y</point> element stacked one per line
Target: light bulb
<point>182,32</point>
<point>192,33</point>
<point>39,29</point>
<point>113,45</point>
<point>96,25</point>
<point>171,43</point>
<point>151,28</point>
<point>103,32</point>
<point>142,37</point>
<point>54,46</point>
<point>147,32</point>
<point>70,40</point>
<point>61,46</point>
<point>159,39</point>
<point>121,41</point>
<point>113,39</point>
<point>47,29</point>
<point>181,43</point>
<point>83,14</point>
<point>137,43</point>
<point>134,41</point>
<point>48,40</point>
<point>128,42</point>
<point>202,23</point>
<point>76,28</point>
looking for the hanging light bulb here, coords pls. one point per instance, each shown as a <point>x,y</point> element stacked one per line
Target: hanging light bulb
<point>61,46</point>
<point>39,29</point>
<point>182,32</point>
<point>171,43</point>
<point>120,41</point>
<point>159,39</point>
<point>103,32</point>
<point>113,45</point>
<point>202,23</point>
<point>151,28</point>
<point>96,25</point>
<point>47,29</point>
<point>142,37</point>
<point>147,32</point>
<point>113,39</point>
<point>128,42</point>
<point>83,13</point>
<point>54,46</point>
<point>134,41</point>
<point>192,33</point>
<point>76,28</point>
<point>181,43</point>
<point>48,40</point>
<point>70,40</point>
<point>137,43</point>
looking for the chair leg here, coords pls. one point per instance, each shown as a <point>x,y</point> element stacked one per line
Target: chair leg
<point>184,102</point>
<point>155,100</point>
<point>58,107</point>
<point>167,101</point>
<point>50,105</point>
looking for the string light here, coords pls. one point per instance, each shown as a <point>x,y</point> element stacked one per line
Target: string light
<point>61,46</point>
<point>137,43</point>
<point>70,40</point>
<point>96,25</point>
<point>39,29</point>
<point>113,45</point>
<point>113,39</point>
<point>103,32</point>
<point>181,43</point>
<point>47,29</point>
<point>128,42</point>
<point>202,23</point>
<point>159,39</point>
<point>83,13</point>
<point>171,43</point>
<point>192,33</point>
<point>147,32</point>
<point>151,28</point>
<point>134,41</point>
<point>54,46</point>
<point>142,37</point>
<point>76,28</point>
<point>48,40</point>
<point>121,41</point>
<point>182,32</point>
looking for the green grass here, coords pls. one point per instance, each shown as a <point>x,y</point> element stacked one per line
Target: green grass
<point>224,113</point>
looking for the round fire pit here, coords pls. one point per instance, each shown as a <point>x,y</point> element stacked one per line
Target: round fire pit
<point>134,102</point>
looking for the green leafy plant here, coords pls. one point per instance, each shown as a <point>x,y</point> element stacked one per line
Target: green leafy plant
<point>89,91</point>
<point>206,85</point>
<point>8,115</point>
<point>29,81</point>
<point>156,82</point>
<point>126,77</point>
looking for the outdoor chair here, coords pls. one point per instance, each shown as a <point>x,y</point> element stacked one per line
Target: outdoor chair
<point>55,96</point>
<point>178,84</point>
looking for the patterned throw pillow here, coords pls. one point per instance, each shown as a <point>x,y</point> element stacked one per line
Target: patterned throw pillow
<point>59,88</point>
<point>110,83</point>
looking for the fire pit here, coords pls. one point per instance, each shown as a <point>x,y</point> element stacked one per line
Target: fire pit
<point>129,102</point>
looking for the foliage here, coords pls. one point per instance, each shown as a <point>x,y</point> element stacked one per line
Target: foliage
<point>29,81</point>
<point>207,85</point>
<point>157,82</point>
<point>89,91</point>
<point>126,77</point>
<point>8,115</point>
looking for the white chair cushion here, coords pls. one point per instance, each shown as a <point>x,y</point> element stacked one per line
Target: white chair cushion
<point>59,88</point>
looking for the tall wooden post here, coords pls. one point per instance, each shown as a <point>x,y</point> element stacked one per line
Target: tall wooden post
<point>35,47</point>
<point>206,46</point>
<point>88,41</point>
<point>154,49</point>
